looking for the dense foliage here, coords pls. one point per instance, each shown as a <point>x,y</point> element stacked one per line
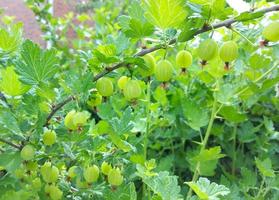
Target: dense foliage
<point>151,99</point>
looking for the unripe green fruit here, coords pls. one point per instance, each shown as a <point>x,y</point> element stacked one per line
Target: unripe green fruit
<point>36,184</point>
<point>104,86</point>
<point>132,90</point>
<point>271,32</point>
<point>80,118</point>
<point>69,123</point>
<point>164,71</point>
<point>228,51</point>
<point>74,119</point>
<point>27,153</point>
<point>207,49</point>
<point>106,168</point>
<point>19,173</point>
<point>47,189</point>
<point>184,59</point>
<point>55,193</point>
<point>150,64</point>
<point>95,99</point>
<point>49,173</point>
<point>72,172</point>
<point>54,173</point>
<point>122,82</point>
<point>45,168</point>
<point>49,137</point>
<point>91,174</point>
<point>114,177</point>
<point>31,166</point>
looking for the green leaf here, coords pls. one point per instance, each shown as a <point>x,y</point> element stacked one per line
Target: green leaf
<point>163,185</point>
<point>166,163</point>
<point>124,192</point>
<point>135,11</point>
<point>124,124</point>
<point>134,28</point>
<point>10,161</point>
<point>8,123</point>
<point>124,22</point>
<point>202,2</point>
<point>106,54</point>
<point>265,167</point>
<point>196,116</point>
<point>219,10</point>
<point>205,77</point>
<point>10,40</point>
<point>268,84</point>
<point>258,61</point>
<point>215,68</point>
<point>206,168</point>
<point>248,177</point>
<point>80,83</point>
<point>190,27</point>
<point>121,144</point>
<point>36,65</point>
<point>121,42</point>
<point>9,76</point>
<point>226,93</point>
<point>245,16</point>
<point>208,191</point>
<point>102,127</point>
<point>165,13</point>
<point>16,195</point>
<point>135,25</point>
<point>214,9</point>
<point>247,132</point>
<point>160,95</point>
<point>105,111</point>
<point>137,158</point>
<point>135,60</point>
<point>213,153</point>
<point>269,125</point>
<point>231,113</point>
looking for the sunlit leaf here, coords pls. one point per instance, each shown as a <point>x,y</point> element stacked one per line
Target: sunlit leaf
<point>36,65</point>
<point>265,167</point>
<point>124,192</point>
<point>164,185</point>
<point>165,13</point>
<point>195,115</point>
<point>10,40</point>
<point>9,76</point>
<point>213,153</point>
<point>208,191</point>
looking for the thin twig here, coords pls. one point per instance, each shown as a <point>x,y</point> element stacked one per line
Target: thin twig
<point>10,143</point>
<point>107,70</point>
<point>58,107</point>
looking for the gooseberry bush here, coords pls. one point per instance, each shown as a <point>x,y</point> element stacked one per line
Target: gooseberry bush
<point>152,100</point>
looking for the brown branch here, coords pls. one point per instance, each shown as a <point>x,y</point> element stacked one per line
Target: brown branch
<point>10,143</point>
<point>107,70</point>
<point>58,107</point>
